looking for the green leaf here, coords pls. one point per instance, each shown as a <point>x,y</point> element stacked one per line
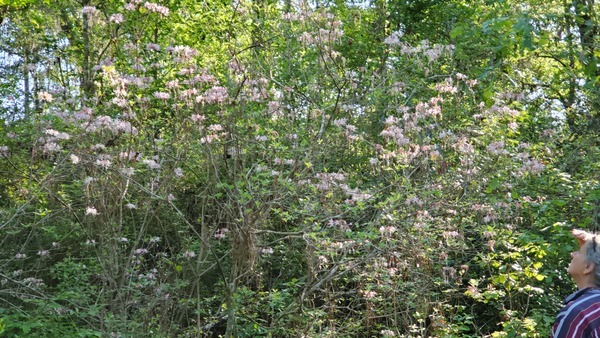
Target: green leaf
<point>494,184</point>
<point>457,31</point>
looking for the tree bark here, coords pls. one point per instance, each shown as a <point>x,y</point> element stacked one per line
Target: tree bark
<point>588,29</point>
<point>87,86</point>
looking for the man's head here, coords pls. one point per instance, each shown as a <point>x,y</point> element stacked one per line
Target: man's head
<point>585,262</point>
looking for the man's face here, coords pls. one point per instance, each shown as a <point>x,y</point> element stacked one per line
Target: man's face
<point>578,263</point>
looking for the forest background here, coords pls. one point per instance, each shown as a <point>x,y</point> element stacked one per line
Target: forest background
<point>296,168</point>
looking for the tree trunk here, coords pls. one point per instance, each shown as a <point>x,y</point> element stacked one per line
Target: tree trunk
<point>87,85</point>
<point>26,92</point>
<point>588,28</point>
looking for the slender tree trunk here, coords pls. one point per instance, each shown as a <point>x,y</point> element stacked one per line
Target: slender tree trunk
<point>570,97</point>
<point>231,310</point>
<point>587,28</point>
<point>26,92</point>
<point>37,105</point>
<point>86,79</point>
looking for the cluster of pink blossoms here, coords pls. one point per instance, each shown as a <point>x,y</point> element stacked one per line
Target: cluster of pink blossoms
<point>387,231</point>
<point>45,97</point>
<point>89,10</point>
<point>216,94</point>
<point>150,6</point>
<point>182,53</point>
<point>116,18</point>
<point>431,52</point>
<point>156,8</point>
<point>221,233</point>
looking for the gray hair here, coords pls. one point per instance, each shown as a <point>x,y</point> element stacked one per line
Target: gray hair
<point>593,255</point>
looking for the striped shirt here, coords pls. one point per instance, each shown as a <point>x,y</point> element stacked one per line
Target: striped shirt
<point>580,317</point>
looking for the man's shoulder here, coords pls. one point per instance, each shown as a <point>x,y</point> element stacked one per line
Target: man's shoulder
<point>585,295</point>
<point>582,312</point>
<point>585,301</point>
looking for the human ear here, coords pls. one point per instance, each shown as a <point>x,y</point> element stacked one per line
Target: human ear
<point>589,268</point>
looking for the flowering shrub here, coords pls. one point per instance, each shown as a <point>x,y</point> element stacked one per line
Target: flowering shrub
<point>272,181</point>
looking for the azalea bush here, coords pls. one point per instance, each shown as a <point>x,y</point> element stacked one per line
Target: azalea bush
<point>246,172</point>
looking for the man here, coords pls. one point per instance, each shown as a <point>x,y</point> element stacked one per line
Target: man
<point>580,317</point>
